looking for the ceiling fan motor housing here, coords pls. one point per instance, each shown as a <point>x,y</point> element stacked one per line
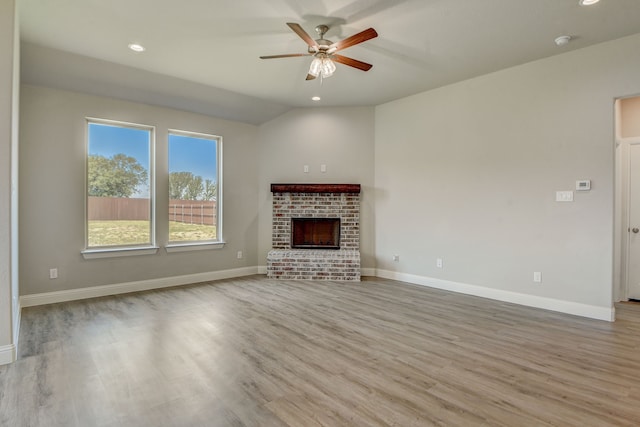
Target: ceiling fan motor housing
<point>323,46</point>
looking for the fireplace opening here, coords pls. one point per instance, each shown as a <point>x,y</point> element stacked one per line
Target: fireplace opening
<point>315,233</point>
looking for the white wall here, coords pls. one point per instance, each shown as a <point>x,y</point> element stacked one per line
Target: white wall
<point>469,172</point>
<point>342,139</point>
<point>52,159</point>
<point>9,84</point>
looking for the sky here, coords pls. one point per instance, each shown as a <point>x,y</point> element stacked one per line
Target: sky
<point>186,154</point>
<point>105,140</point>
<point>196,155</point>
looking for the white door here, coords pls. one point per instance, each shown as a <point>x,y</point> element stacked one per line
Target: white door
<point>633,274</point>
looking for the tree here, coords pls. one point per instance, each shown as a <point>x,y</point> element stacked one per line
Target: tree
<point>210,190</point>
<point>194,188</point>
<point>178,183</point>
<point>187,186</point>
<point>116,176</point>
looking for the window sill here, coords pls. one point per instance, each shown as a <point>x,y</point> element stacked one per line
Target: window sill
<point>118,252</point>
<point>193,246</point>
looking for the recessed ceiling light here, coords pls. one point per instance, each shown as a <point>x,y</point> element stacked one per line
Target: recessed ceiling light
<point>562,40</point>
<point>315,98</point>
<point>588,2</point>
<point>136,47</point>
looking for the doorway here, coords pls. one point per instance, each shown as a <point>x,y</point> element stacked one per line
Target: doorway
<point>627,235</point>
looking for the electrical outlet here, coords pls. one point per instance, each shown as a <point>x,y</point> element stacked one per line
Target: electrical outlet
<point>396,258</point>
<point>439,262</point>
<point>537,276</point>
<point>306,168</point>
<point>53,273</point>
<point>239,254</point>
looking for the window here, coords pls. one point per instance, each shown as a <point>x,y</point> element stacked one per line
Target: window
<point>195,191</point>
<point>119,185</point>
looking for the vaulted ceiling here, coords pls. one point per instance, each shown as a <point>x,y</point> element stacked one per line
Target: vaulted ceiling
<point>216,44</point>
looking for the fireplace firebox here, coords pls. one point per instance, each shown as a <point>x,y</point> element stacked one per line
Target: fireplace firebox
<point>315,233</point>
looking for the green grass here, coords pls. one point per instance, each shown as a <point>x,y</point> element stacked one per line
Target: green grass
<point>181,232</point>
<point>112,233</point>
<point>109,233</point>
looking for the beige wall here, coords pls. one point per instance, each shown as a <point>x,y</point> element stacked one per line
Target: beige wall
<point>52,159</point>
<point>342,139</point>
<point>469,172</point>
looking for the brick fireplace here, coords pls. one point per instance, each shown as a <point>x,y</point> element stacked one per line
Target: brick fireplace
<point>328,217</point>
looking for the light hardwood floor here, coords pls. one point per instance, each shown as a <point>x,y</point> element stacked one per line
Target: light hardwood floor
<point>260,352</point>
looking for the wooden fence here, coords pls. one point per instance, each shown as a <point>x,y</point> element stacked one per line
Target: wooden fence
<point>193,211</point>
<point>132,209</point>
<point>118,208</point>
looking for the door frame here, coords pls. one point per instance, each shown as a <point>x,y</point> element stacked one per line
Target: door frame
<point>623,192</point>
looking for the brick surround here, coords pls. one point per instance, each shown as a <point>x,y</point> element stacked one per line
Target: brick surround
<point>340,201</point>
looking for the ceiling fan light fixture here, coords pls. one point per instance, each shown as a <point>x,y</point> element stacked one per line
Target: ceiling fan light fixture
<point>322,65</point>
<point>324,51</point>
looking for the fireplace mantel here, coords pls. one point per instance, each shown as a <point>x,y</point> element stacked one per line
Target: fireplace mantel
<point>315,188</point>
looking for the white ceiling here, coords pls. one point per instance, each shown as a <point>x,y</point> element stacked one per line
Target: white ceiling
<point>422,44</point>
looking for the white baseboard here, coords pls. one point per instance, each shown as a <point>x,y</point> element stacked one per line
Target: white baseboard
<point>122,288</point>
<point>8,354</point>
<point>568,307</point>
<point>16,327</point>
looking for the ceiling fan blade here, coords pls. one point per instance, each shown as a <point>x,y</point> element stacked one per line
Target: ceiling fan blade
<point>286,55</point>
<point>355,39</point>
<point>303,34</point>
<point>351,62</point>
<point>310,77</point>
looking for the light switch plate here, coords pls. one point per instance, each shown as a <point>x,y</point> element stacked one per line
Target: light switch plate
<point>564,196</point>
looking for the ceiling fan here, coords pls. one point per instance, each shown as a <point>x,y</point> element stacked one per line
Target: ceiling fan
<point>324,51</point>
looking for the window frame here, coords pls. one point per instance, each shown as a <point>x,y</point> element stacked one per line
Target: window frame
<point>91,252</point>
<point>218,242</point>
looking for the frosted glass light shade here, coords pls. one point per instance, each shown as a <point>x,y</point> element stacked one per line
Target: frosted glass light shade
<point>314,69</point>
<point>324,66</point>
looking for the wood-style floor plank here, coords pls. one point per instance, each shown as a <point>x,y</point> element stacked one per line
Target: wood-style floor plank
<point>261,352</point>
